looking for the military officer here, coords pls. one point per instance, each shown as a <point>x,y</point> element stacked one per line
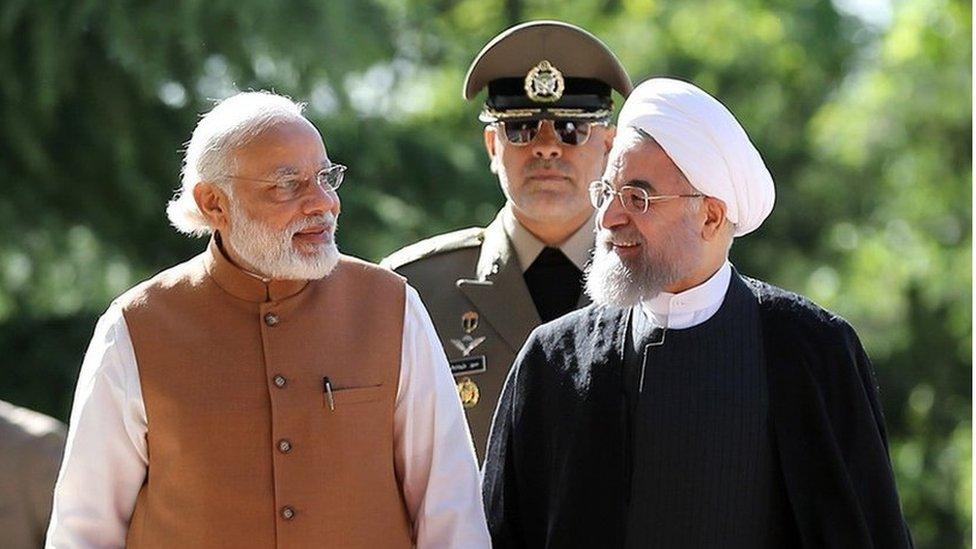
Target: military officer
<point>547,134</point>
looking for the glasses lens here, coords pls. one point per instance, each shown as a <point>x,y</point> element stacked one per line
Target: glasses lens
<point>572,132</point>
<point>598,194</point>
<point>634,199</point>
<point>332,177</point>
<point>521,132</point>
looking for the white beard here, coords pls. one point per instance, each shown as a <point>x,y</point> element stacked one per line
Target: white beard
<point>272,254</point>
<point>610,281</point>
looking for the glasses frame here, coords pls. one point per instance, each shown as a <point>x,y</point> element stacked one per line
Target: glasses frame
<point>338,169</point>
<point>606,189</point>
<point>500,124</point>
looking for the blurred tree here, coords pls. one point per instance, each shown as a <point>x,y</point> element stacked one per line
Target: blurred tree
<point>891,184</point>
<point>862,111</point>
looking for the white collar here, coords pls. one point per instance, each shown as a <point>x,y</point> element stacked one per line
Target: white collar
<point>527,247</point>
<point>692,306</point>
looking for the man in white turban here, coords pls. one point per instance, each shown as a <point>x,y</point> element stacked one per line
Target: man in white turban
<point>689,406</point>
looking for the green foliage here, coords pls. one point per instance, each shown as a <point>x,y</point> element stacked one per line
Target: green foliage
<point>864,119</point>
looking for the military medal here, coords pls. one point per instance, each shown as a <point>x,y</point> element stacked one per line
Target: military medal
<point>544,83</point>
<point>469,392</point>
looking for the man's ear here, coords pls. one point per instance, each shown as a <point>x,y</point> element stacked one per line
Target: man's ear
<point>714,210</point>
<point>213,204</point>
<point>491,133</point>
<point>608,136</point>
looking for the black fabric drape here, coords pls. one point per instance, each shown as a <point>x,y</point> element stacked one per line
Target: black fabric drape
<point>555,470</point>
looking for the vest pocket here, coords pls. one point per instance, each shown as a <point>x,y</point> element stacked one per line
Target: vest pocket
<point>355,395</point>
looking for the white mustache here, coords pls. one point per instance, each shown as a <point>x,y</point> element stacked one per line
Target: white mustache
<point>326,220</point>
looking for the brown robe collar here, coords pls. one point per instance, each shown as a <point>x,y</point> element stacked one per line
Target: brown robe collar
<point>243,284</point>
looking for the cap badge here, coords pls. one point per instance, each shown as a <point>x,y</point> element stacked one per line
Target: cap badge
<point>544,83</point>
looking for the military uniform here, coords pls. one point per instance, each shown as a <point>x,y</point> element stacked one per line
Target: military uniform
<point>473,281</point>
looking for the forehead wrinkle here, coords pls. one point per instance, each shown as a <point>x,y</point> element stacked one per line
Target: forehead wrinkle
<point>667,173</point>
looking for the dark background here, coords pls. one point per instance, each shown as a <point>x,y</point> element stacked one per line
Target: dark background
<point>861,109</point>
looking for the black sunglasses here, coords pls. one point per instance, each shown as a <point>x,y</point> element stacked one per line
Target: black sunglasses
<point>570,132</point>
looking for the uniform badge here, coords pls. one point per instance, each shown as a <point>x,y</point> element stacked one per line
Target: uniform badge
<point>469,392</point>
<point>468,343</point>
<point>544,83</point>
<point>469,365</point>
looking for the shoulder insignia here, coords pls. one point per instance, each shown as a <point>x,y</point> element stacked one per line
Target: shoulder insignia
<point>448,242</point>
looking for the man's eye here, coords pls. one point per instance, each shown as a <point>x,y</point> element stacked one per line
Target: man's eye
<point>287,185</point>
<point>635,199</point>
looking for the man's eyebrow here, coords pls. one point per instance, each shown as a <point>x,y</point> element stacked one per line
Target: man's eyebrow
<point>642,184</point>
<point>285,171</point>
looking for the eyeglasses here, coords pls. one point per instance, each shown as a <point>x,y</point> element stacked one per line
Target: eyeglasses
<point>633,199</point>
<point>293,185</point>
<point>570,132</point>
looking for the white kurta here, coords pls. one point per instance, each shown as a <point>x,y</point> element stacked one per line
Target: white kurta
<point>106,456</point>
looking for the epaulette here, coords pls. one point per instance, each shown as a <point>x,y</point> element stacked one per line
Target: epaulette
<point>448,242</point>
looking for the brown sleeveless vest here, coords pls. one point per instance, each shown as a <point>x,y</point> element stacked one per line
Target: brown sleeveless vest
<point>245,447</point>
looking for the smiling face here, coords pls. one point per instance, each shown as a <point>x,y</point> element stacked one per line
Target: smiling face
<point>276,220</point>
<point>671,247</point>
<point>546,180</point>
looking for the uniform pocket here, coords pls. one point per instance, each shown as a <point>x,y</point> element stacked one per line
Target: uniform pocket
<point>356,395</point>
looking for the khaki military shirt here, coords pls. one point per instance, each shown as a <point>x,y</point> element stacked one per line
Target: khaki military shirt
<point>30,453</point>
<point>471,283</point>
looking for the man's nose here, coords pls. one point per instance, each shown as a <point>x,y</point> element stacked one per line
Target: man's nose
<point>612,214</point>
<point>320,200</point>
<point>547,145</point>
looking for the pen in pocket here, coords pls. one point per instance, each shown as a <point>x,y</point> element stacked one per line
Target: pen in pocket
<point>327,388</point>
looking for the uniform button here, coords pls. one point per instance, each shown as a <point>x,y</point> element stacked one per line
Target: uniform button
<point>287,513</point>
<point>280,380</point>
<point>284,446</point>
<point>271,319</point>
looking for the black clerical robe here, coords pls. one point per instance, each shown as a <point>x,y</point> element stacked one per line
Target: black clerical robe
<point>557,469</point>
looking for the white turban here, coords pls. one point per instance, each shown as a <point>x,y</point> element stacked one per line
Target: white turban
<point>707,144</point>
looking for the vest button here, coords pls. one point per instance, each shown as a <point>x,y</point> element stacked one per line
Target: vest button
<point>271,319</point>
<point>287,513</point>
<point>280,381</point>
<point>284,446</point>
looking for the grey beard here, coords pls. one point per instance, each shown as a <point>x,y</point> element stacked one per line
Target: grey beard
<point>611,281</point>
<point>273,254</point>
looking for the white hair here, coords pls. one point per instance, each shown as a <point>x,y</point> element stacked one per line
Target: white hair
<point>231,124</point>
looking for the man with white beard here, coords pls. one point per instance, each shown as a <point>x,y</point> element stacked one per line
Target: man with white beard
<point>269,392</point>
<point>690,406</point>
